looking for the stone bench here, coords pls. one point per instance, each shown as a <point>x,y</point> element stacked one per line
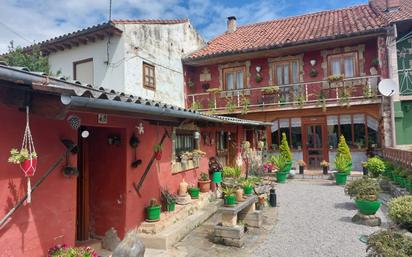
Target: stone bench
<point>230,231</point>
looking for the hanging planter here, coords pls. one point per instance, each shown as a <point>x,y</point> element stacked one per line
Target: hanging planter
<point>26,157</point>
<point>157,149</point>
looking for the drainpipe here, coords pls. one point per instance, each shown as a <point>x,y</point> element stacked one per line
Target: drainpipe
<point>396,93</point>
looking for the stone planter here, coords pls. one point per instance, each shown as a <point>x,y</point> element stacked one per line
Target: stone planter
<point>204,186</point>
<point>367,207</point>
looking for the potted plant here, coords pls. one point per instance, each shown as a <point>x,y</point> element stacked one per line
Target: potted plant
<point>169,200</point>
<point>285,153</point>
<point>204,182</point>
<point>270,90</point>
<point>153,211</point>
<point>400,211</point>
<point>302,165</point>
<point>313,73</point>
<point>27,161</point>
<point>194,192</point>
<point>157,149</point>
<point>325,165</point>
<point>247,185</point>
<point>376,166</point>
<point>281,165</point>
<point>197,155</point>
<point>335,78</point>
<point>389,243</point>
<point>366,192</point>
<point>343,150</point>
<point>341,164</point>
<point>365,168</point>
<point>239,194</point>
<point>229,196</point>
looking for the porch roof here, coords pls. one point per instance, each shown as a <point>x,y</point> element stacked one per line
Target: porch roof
<point>76,94</point>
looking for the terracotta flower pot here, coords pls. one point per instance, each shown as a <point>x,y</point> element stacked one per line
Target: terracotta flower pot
<point>239,195</point>
<point>204,186</point>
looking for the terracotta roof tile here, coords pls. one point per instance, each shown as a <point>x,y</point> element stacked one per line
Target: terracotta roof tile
<point>403,13</point>
<point>150,21</point>
<point>295,30</point>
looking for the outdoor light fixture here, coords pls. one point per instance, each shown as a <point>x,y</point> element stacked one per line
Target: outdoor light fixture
<point>258,68</point>
<point>85,134</point>
<point>313,62</point>
<point>196,135</point>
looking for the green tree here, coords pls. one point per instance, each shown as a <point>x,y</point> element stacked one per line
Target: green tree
<point>284,149</point>
<point>33,59</point>
<point>343,149</point>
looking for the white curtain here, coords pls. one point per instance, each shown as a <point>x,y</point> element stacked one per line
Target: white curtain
<point>296,122</point>
<point>332,120</point>
<point>345,119</point>
<point>336,67</point>
<point>358,119</point>
<point>275,126</point>
<point>349,70</point>
<point>239,79</point>
<point>372,123</point>
<point>284,123</point>
<point>229,81</point>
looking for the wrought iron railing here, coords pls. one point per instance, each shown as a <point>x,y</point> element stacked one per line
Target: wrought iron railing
<point>318,93</point>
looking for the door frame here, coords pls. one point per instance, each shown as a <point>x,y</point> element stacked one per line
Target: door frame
<point>313,121</point>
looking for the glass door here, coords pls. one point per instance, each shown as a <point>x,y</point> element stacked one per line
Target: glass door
<point>315,148</point>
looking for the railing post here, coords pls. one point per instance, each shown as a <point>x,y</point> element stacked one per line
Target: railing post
<point>306,92</point>
<point>238,98</point>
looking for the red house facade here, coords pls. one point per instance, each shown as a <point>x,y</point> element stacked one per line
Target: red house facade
<point>100,123</point>
<point>314,77</point>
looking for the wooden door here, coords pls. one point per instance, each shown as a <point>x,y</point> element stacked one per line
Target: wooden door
<point>83,207</point>
<point>232,153</point>
<point>315,145</point>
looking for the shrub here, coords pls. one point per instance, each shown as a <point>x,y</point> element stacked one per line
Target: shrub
<point>65,251</point>
<point>400,211</point>
<point>279,162</point>
<point>376,166</point>
<point>284,149</point>
<point>238,171</point>
<point>228,172</point>
<point>341,164</point>
<point>343,149</point>
<point>363,189</point>
<point>389,244</point>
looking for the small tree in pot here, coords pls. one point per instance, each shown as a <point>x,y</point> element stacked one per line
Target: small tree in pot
<point>341,164</point>
<point>281,166</point>
<point>376,166</point>
<point>204,182</point>
<point>367,196</point>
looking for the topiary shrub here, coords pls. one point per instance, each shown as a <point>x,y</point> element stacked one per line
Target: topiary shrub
<point>400,211</point>
<point>343,149</point>
<point>388,243</point>
<point>375,166</point>
<point>285,152</point>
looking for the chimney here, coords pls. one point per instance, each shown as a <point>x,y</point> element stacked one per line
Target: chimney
<point>231,24</point>
<point>392,5</point>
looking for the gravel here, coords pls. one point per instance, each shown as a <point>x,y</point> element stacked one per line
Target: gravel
<point>314,219</point>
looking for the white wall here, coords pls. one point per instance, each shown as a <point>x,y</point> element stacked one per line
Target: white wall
<point>162,46</point>
<point>108,76</point>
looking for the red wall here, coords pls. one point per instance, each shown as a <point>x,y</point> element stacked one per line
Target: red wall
<point>193,74</point>
<point>50,219</point>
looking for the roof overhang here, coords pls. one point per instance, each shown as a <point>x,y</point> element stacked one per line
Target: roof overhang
<point>286,49</point>
<point>75,39</point>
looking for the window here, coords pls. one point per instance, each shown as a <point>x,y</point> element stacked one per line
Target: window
<point>286,72</point>
<point>149,76</point>
<point>292,128</point>
<point>185,142</point>
<point>222,140</point>
<point>83,71</point>
<point>343,64</point>
<point>234,78</point>
<point>359,130</point>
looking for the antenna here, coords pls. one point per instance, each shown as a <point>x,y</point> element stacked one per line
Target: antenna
<point>110,10</point>
<point>387,87</point>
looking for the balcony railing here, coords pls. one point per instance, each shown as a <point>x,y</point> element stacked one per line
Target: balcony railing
<point>400,156</point>
<point>301,95</point>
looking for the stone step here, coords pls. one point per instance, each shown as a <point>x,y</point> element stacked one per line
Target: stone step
<point>175,232</point>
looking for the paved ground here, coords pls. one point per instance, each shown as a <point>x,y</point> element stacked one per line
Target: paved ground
<point>314,219</point>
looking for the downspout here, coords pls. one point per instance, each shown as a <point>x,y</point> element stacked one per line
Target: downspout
<point>393,125</point>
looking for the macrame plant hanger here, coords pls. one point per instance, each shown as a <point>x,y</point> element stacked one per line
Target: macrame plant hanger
<point>29,165</point>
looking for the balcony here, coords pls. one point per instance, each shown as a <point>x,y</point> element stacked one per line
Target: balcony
<point>317,94</point>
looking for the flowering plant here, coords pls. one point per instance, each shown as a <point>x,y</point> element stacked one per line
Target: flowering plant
<point>62,250</point>
<point>268,167</point>
<point>17,157</point>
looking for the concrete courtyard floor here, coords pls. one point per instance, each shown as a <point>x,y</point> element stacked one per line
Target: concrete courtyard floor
<point>313,218</point>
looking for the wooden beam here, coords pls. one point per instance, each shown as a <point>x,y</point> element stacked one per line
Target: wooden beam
<point>66,45</point>
<point>74,43</point>
<point>91,38</point>
<point>59,47</point>
<point>83,41</point>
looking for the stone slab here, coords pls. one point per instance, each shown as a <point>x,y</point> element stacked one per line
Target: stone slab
<point>253,219</point>
<point>368,220</point>
<point>236,232</point>
<point>250,200</point>
<point>229,241</point>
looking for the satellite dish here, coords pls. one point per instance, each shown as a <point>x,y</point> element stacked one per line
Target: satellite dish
<point>387,87</point>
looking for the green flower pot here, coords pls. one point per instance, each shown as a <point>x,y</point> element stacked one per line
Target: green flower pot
<point>194,192</point>
<point>402,182</point>
<point>217,177</point>
<point>170,206</point>
<point>248,190</point>
<point>367,207</point>
<point>341,178</point>
<point>153,213</point>
<point>281,177</point>
<point>230,200</point>
<point>396,179</point>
